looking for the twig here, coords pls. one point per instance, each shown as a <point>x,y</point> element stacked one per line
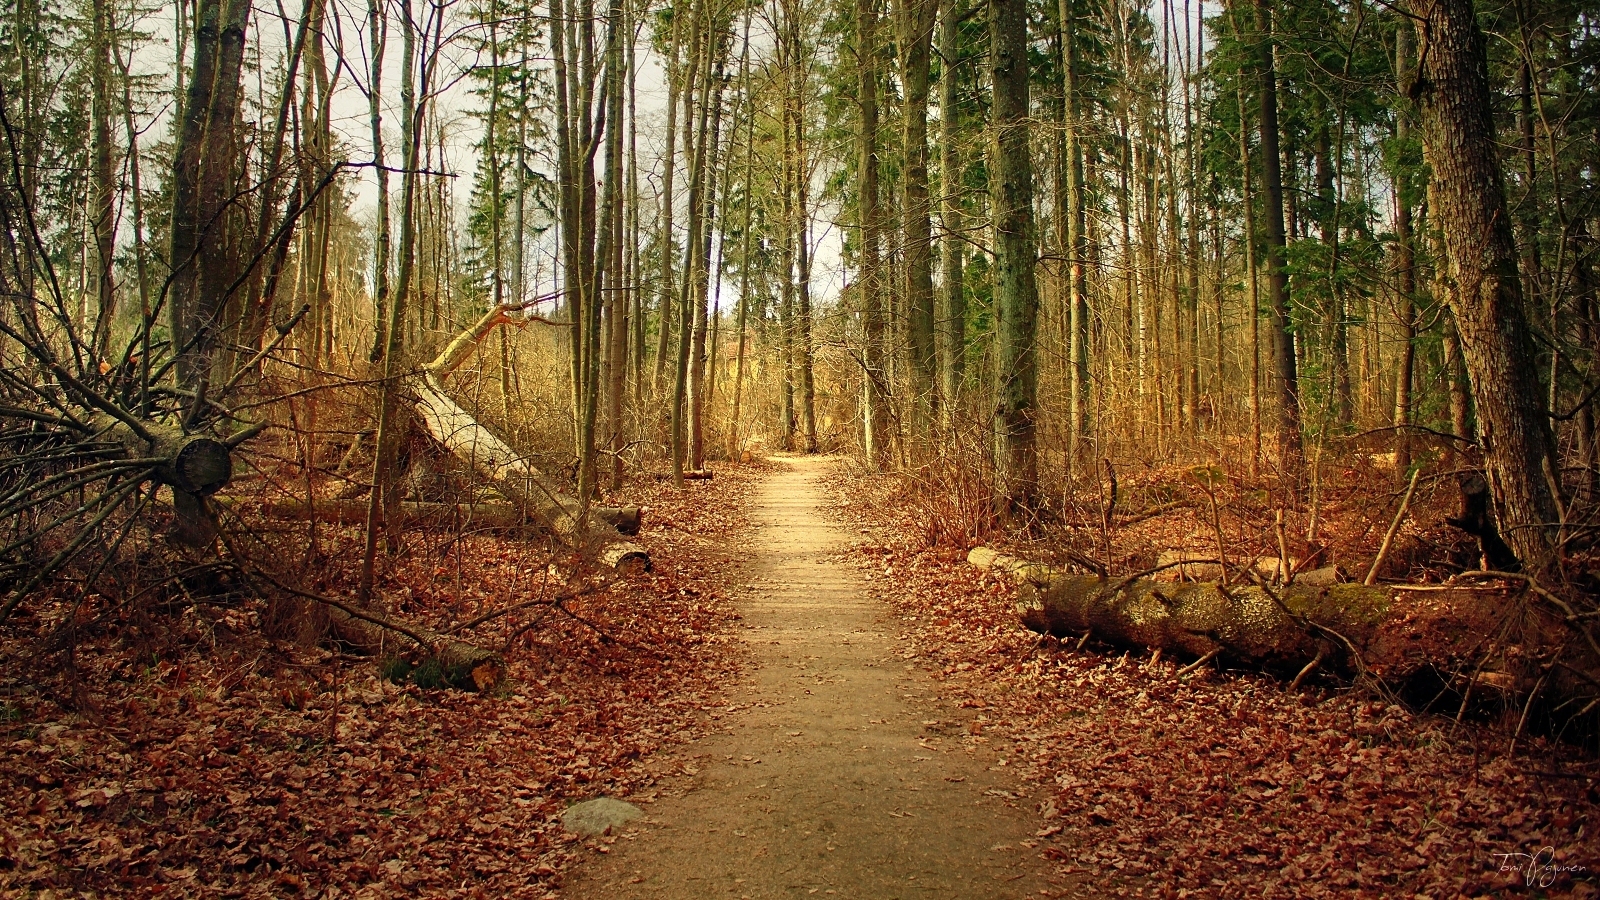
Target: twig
<point>111,500</point>
<point>1186,561</point>
<point>1533,696</point>
<point>1152,512</point>
<point>1110,510</point>
<point>1388,538</point>
<point>507,610</point>
<point>283,334</point>
<point>557,603</point>
<point>1572,616</point>
<point>1322,651</point>
<point>1211,654</point>
<point>1283,547</point>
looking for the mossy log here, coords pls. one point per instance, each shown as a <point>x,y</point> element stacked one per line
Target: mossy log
<point>459,663</point>
<point>1394,632</point>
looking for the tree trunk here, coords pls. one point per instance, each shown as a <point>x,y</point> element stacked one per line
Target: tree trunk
<point>696,113</point>
<point>625,519</point>
<point>1396,633</point>
<point>665,242</point>
<point>493,460</point>
<point>103,217</point>
<point>875,418</point>
<point>743,313</point>
<point>378,24</point>
<point>1290,452</point>
<point>803,261</point>
<point>952,251</point>
<point>916,18</point>
<point>383,505</point>
<point>199,254</point>
<point>1016,254</point>
<point>1406,269</point>
<point>461,664</point>
<point>1452,90</point>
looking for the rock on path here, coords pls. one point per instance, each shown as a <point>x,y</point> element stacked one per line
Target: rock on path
<point>844,774</point>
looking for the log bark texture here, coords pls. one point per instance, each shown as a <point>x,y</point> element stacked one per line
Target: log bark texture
<point>497,463</point>
<point>1393,632</point>
<point>461,664</point>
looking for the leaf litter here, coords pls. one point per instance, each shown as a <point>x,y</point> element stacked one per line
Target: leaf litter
<point>185,755</point>
<point>1225,785</point>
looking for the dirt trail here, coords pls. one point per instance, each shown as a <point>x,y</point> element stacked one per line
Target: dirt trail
<point>843,773</point>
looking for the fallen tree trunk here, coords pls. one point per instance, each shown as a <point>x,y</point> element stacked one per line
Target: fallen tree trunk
<point>194,466</point>
<point>625,519</point>
<point>490,458</point>
<point>459,663</point>
<point>1393,632</point>
<point>444,658</point>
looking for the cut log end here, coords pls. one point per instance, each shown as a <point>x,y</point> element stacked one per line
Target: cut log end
<point>202,466</point>
<point>627,558</point>
<point>447,661</point>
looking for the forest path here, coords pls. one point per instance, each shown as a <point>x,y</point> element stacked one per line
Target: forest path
<point>843,773</point>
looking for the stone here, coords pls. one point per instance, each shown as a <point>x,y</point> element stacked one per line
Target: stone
<point>596,817</point>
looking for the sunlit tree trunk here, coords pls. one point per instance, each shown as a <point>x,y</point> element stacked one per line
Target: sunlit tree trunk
<point>952,251</point>
<point>666,244</point>
<point>875,418</point>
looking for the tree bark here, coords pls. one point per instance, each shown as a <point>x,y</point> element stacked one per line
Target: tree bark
<point>1290,451</point>
<point>951,249</point>
<point>875,419</point>
<point>915,20</point>
<point>1394,632</point>
<point>202,163</point>
<point>1406,268</point>
<point>1456,112</point>
<point>1016,254</point>
<point>625,519</point>
<point>103,217</point>
<point>493,460</point>
<point>666,244</point>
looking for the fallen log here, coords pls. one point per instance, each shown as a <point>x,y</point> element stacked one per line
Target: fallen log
<point>493,460</point>
<point>348,510</point>
<point>447,661</point>
<point>459,664</point>
<point>1182,565</point>
<point>194,466</point>
<point>1391,632</point>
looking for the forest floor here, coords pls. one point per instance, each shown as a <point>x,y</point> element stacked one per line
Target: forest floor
<point>205,748</point>
<point>811,694</point>
<point>1148,783</point>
